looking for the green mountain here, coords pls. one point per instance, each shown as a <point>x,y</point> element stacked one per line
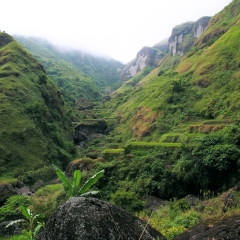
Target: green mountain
<point>72,83</point>
<point>168,131</point>
<point>179,123</point>
<point>104,72</point>
<point>35,127</point>
<point>204,85</point>
<point>75,71</point>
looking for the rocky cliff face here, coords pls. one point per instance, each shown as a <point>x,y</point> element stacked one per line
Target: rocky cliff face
<point>200,26</point>
<point>183,35</point>
<point>180,41</point>
<point>147,56</point>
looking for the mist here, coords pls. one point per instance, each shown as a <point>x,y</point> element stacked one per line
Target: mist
<point>113,29</point>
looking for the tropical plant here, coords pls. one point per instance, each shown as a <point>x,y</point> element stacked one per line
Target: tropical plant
<point>34,221</point>
<point>73,188</point>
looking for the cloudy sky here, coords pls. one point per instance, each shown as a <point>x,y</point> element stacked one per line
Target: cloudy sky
<point>113,28</point>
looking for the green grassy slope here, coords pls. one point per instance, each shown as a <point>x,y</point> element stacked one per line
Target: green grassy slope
<point>205,85</point>
<point>179,124</point>
<point>35,129</point>
<point>72,83</point>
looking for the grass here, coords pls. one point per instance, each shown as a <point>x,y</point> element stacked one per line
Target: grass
<point>48,198</point>
<point>155,144</point>
<point>113,151</point>
<point>17,237</point>
<point>10,180</point>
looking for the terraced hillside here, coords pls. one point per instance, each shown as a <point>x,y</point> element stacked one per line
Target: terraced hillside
<point>179,123</point>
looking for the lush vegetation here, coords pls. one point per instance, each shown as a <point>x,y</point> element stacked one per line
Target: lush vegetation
<point>35,127</point>
<point>171,131</point>
<point>73,189</point>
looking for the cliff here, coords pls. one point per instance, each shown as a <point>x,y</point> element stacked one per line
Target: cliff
<point>184,35</point>
<point>147,56</point>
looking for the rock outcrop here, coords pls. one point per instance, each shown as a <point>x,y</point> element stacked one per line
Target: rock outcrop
<point>147,56</point>
<point>90,218</point>
<point>83,164</point>
<point>181,38</point>
<point>184,35</point>
<point>87,128</point>
<point>200,26</point>
<point>228,228</point>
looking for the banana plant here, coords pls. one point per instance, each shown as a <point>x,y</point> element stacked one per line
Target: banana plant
<point>33,221</point>
<point>72,188</point>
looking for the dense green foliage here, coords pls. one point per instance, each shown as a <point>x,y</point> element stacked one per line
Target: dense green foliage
<point>173,130</point>
<point>11,206</point>
<point>179,124</point>
<point>35,127</point>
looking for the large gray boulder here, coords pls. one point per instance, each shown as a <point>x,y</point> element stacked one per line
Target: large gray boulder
<point>227,228</point>
<point>93,219</point>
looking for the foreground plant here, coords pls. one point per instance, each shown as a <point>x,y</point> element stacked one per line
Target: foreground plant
<point>73,188</point>
<point>34,222</point>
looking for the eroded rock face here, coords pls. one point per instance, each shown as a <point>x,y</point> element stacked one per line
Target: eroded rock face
<point>228,228</point>
<point>180,34</point>
<point>91,218</point>
<point>184,35</point>
<point>200,26</point>
<point>147,56</point>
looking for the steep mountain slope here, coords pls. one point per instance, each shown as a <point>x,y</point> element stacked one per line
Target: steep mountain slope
<point>72,83</point>
<point>146,57</point>
<point>179,123</point>
<point>104,72</point>
<point>35,127</point>
<point>204,84</point>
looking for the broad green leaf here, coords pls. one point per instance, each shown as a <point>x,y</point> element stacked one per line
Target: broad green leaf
<point>90,182</point>
<point>37,228</point>
<point>65,181</point>
<point>25,212</point>
<point>76,181</point>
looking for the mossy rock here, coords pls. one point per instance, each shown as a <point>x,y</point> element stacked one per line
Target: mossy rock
<point>93,154</point>
<point>81,164</point>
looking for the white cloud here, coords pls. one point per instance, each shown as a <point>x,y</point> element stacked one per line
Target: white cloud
<point>118,29</point>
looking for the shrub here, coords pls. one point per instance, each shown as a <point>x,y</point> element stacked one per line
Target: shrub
<point>12,205</point>
<point>128,200</point>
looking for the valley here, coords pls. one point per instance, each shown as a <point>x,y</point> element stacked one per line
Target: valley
<point>163,127</point>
